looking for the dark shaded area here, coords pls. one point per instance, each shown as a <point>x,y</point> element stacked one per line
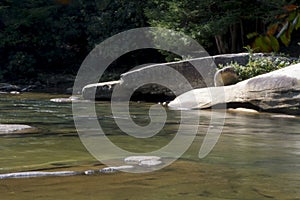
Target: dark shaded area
<point>43,43</point>
<point>130,60</point>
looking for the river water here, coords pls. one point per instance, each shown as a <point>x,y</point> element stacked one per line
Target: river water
<point>256,157</point>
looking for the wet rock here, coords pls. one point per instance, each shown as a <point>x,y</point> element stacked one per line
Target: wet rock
<point>36,174</point>
<point>15,128</point>
<point>30,88</point>
<point>277,91</point>
<point>283,116</point>
<point>14,92</point>
<point>226,76</point>
<point>5,87</point>
<point>245,110</point>
<point>99,91</point>
<point>32,174</point>
<point>116,169</point>
<point>139,159</point>
<point>150,163</point>
<point>66,100</point>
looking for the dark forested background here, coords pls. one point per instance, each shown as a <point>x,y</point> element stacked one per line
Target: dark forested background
<point>39,38</point>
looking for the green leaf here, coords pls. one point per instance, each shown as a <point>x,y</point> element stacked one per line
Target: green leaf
<point>274,43</point>
<point>297,25</point>
<point>285,40</point>
<point>262,44</point>
<point>252,35</point>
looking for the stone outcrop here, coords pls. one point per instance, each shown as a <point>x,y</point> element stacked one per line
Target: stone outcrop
<point>277,91</point>
<point>133,82</point>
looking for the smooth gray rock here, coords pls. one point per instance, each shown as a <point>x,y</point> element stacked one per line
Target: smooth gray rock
<point>277,91</point>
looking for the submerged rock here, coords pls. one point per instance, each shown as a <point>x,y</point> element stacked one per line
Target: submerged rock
<point>138,159</point>
<point>150,163</point>
<point>32,174</point>
<point>36,174</point>
<point>277,91</point>
<point>115,169</point>
<point>15,128</point>
<point>144,161</point>
<point>66,100</point>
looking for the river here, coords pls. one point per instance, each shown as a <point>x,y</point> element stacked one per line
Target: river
<point>256,157</point>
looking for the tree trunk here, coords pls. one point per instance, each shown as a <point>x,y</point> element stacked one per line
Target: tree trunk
<point>220,44</point>
<point>233,33</point>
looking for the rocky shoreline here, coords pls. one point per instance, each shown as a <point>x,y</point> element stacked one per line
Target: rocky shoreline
<point>263,93</point>
<point>276,91</point>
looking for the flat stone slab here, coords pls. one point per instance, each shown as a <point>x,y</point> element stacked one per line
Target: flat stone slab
<point>15,128</point>
<point>99,91</point>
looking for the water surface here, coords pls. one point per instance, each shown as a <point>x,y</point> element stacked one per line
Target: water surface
<point>256,157</point>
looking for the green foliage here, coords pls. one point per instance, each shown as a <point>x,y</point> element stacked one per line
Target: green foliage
<point>280,30</point>
<point>42,36</point>
<point>218,24</point>
<point>260,65</point>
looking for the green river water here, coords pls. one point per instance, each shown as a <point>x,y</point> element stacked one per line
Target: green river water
<point>257,156</point>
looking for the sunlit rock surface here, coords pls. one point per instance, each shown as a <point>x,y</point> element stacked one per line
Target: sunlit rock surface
<point>277,91</point>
